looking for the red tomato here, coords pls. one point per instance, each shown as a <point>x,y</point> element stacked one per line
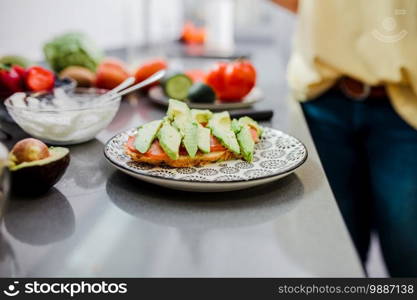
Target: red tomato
<point>215,145</point>
<point>149,68</point>
<point>111,73</point>
<point>39,79</point>
<point>196,75</point>
<point>156,152</point>
<point>131,144</point>
<point>232,81</point>
<point>216,78</point>
<point>254,134</point>
<point>21,71</point>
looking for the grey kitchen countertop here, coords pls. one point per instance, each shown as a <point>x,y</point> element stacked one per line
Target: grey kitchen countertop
<point>98,221</point>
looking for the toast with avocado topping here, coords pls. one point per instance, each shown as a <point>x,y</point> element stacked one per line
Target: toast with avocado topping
<point>188,137</point>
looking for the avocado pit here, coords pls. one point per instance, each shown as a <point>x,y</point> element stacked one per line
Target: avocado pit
<point>35,168</point>
<point>28,150</point>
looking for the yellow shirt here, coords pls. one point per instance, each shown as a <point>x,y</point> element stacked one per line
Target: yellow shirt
<point>374,41</point>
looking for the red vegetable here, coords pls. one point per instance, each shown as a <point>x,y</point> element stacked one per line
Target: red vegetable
<point>110,73</point>
<point>39,79</point>
<point>21,71</point>
<point>11,81</point>
<point>155,151</point>
<point>149,68</point>
<point>232,81</point>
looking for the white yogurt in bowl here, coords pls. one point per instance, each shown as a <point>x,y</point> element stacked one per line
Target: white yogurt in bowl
<point>62,119</point>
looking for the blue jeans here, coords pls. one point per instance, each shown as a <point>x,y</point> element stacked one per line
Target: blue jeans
<point>369,155</point>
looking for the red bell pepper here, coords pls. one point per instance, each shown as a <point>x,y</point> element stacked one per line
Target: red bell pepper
<point>10,79</point>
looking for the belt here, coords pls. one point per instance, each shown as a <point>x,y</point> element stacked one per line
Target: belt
<point>359,91</point>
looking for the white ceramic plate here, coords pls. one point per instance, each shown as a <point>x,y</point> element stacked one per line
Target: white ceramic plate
<point>156,94</point>
<point>276,155</point>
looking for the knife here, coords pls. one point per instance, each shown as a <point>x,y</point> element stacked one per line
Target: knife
<point>257,115</point>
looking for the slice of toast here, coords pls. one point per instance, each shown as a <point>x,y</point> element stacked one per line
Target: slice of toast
<point>184,160</point>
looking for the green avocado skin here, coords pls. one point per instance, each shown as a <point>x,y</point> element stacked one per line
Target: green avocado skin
<point>34,180</point>
<point>201,93</point>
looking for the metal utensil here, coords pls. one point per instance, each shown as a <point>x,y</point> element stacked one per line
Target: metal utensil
<point>151,79</point>
<point>126,83</point>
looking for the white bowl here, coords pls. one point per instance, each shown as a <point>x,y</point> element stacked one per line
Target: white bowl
<point>63,124</point>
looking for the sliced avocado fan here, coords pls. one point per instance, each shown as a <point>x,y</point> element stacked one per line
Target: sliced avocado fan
<point>182,125</point>
<point>180,115</point>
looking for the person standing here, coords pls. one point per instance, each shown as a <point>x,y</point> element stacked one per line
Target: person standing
<point>354,69</point>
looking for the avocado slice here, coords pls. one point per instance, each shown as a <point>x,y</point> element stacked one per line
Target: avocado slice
<point>201,116</point>
<point>39,176</point>
<point>177,110</point>
<point>146,134</point>
<point>251,123</point>
<point>204,139</point>
<point>236,126</point>
<point>180,114</point>
<point>220,125</point>
<point>245,140</point>
<point>190,140</point>
<point>170,140</point>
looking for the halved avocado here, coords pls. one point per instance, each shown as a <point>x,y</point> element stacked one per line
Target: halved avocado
<point>39,176</point>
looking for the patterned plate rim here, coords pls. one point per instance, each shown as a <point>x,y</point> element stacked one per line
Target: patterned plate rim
<point>283,172</point>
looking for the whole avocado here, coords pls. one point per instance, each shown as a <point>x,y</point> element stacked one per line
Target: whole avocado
<point>201,93</point>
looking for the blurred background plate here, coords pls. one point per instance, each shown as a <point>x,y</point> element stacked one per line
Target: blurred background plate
<point>156,95</point>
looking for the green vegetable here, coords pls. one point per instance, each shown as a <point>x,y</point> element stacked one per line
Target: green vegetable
<point>72,49</point>
<point>201,93</point>
<point>221,127</point>
<point>204,139</point>
<point>15,60</point>
<point>146,134</point>
<point>180,113</point>
<point>176,85</point>
<point>251,123</point>
<point>246,143</point>
<point>201,116</point>
<point>170,140</point>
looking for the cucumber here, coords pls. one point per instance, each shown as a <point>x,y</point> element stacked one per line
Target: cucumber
<point>176,85</point>
<point>201,93</point>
